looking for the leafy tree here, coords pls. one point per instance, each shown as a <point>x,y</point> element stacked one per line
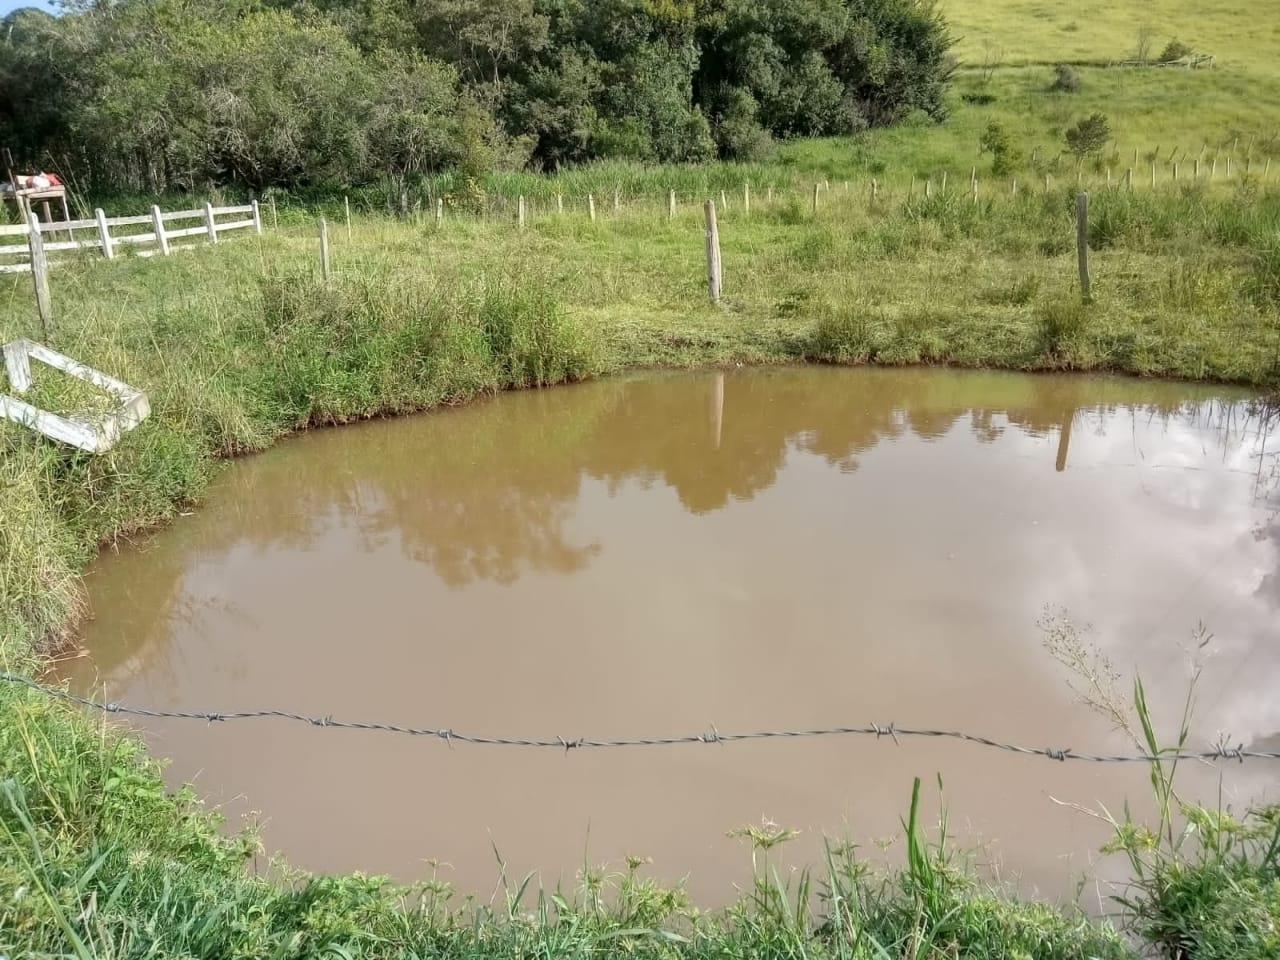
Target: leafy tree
<point>1088,136</point>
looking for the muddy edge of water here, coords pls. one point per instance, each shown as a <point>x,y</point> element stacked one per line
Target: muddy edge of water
<point>653,555</point>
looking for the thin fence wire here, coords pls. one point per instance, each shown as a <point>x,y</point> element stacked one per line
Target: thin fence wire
<point>1219,751</point>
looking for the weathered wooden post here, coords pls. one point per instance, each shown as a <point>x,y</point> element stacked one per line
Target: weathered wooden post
<point>1266,168</point>
<point>346,206</point>
<point>928,188</point>
<point>324,249</point>
<point>157,224</point>
<point>1013,188</point>
<point>559,203</point>
<point>713,253</point>
<point>1196,169</point>
<point>591,207</point>
<point>39,274</point>
<point>1128,179</point>
<point>1228,166</point>
<point>617,199</point>
<point>209,223</point>
<point>275,218</point>
<point>724,201</point>
<point>973,186</point>
<point>439,212</point>
<point>1213,168</point>
<point>257,217</point>
<point>520,212</point>
<point>1082,244</point>
<point>1046,183</point>
<point>1153,175</point>
<point>1175,171</point>
<point>769,193</point>
<point>816,187</point>
<point>746,199</point>
<point>104,234</point>
<point>875,189</point>
<point>671,204</point>
<point>1108,179</point>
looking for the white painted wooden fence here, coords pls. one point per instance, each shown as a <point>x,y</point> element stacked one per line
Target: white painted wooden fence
<point>91,431</point>
<point>108,234</point>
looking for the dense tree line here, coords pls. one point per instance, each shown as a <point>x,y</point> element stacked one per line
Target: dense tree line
<point>156,94</point>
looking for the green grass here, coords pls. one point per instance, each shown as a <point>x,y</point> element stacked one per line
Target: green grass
<point>239,345</point>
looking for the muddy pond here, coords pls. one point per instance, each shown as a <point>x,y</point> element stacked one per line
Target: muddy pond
<point>671,554</point>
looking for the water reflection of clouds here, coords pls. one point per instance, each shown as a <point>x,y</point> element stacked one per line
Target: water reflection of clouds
<point>1218,560</point>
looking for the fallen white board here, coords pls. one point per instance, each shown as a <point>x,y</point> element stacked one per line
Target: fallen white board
<point>92,432</point>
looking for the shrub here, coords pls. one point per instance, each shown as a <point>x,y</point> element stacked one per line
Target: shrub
<point>1065,79</point>
<point>1175,50</point>
<point>1089,135</point>
<point>996,141</point>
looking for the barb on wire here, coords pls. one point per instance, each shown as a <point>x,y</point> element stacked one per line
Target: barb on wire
<point>1220,751</point>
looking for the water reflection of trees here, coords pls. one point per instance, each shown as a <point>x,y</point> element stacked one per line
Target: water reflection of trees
<point>488,493</point>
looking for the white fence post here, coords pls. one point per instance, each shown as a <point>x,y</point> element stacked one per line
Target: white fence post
<point>104,234</point>
<point>39,274</point>
<point>257,218</point>
<point>209,223</point>
<point>157,223</point>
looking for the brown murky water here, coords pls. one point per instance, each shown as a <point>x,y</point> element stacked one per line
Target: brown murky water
<point>753,550</point>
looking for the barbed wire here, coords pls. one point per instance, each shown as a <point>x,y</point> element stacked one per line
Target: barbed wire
<point>1222,750</point>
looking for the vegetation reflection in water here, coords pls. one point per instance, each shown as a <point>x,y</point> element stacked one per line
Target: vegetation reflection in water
<point>644,555</point>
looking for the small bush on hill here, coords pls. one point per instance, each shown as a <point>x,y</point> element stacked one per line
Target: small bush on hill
<point>1065,79</point>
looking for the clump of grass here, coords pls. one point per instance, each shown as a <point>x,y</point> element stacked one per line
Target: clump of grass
<point>1062,321</point>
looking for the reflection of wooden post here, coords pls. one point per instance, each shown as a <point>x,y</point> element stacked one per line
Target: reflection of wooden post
<point>1064,440</point>
<point>717,406</point>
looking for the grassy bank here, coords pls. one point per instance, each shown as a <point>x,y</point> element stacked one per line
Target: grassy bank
<point>240,344</point>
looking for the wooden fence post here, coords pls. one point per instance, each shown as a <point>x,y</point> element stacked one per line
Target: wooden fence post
<point>1108,179</point>
<point>617,199</point>
<point>591,207</point>
<point>257,218</point>
<point>1153,175</point>
<point>1266,168</point>
<point>815,198</point>
<point>769,194</point>
<point>157,223</point>
<point>520,212</point>
<point>1046,183</point>
<point>1175,171</point>
<point>724,201</point>
<point>39,274</point>
<point>324,249</point>
<point>1228,166</point>
<point>1082,244</point>
<point>746,199</point>
<point>1128,179</point>
<point>1013,187</point>
<point>671,204</point>
<point>974,187</point>
<point>875,190</point>
<point>275,219</point>
<point>209,223</point>
<point>928,188</point>
<point>559,203</point>
<point>944,184</point>
<point>1213,169</point>
<point>346,207</point>
<point>1196,169</point>
<point>713,253</point>
<point>104,234</point>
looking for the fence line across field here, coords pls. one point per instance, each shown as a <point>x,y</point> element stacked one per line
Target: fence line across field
<point>1222,750</point>
<point>100,227</point>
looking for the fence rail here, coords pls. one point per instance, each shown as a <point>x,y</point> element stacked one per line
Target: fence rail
<point>105,240</point>
<point>1222,750</point>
